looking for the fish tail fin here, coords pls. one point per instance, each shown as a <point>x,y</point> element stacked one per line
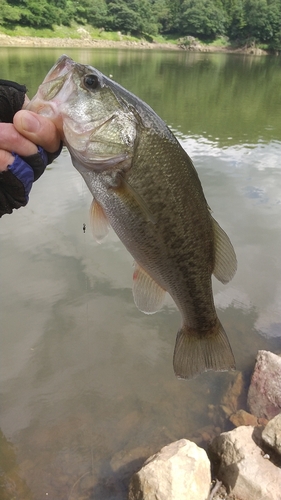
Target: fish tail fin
<point>195,353</point>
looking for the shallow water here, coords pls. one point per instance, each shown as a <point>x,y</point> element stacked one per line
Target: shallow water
<point>86,380</point>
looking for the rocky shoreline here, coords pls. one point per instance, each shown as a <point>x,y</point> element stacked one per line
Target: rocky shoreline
<point>85,41</point>
<point>243,463</point>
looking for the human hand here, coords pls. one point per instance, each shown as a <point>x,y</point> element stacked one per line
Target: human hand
<point>23,136</point>
<point>27,146</point>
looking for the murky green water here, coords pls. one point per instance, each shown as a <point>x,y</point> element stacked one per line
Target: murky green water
<point>87,386</point>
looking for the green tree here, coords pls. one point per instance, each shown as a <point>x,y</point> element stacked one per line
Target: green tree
<point>131,16</point>
<point>256,20</point>
<point>162,15</point>
<point>9,14</point>
<point>256,17</point>
<point>93,12</point>
<point>235,17</point>
<point>38,14</point>
<point>175,7</point>
<point>274,14</point>
<point>203,18</point>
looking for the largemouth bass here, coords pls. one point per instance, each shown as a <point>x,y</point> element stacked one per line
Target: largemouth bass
<point>145,186</point>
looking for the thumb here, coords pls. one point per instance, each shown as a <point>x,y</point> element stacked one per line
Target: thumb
<point>38,129</point>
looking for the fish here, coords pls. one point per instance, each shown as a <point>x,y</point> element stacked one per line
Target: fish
<point>145,187</point>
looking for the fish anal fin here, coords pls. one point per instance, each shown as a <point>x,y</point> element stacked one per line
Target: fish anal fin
<point>148,295</point>
<point>98,221</point>
<point>225,258</point>
<point>196,353</point>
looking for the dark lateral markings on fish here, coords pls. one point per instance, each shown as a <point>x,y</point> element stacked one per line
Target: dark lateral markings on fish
<point>145,186</point>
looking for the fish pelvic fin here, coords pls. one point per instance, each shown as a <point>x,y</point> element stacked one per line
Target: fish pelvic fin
<point>225,258</point>
<point>98,222</point>
<point>195,353</point>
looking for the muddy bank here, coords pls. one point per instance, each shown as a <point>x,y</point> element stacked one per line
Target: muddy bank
<point>87,42</point>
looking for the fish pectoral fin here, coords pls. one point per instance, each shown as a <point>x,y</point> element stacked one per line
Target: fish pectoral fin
<point>148,295</point>
<point>196,353</point>
<point>98,221</point>
<point>129,190</point>
<point>225,258</point>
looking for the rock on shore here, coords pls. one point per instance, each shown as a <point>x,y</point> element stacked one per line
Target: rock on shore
<point>179,471</point>
<point>264,397</point>
<point>242,465</point>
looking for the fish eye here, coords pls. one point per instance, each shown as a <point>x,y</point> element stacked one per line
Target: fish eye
<point>91,82</point>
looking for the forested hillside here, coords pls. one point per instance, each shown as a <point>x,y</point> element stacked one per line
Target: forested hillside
<point>240,20</point>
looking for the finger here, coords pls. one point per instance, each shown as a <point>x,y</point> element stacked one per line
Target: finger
<point>6,159</point>
<point>11,140</point>
<point>38,129</point>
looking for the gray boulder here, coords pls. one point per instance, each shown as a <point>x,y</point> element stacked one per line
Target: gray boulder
<point>271,435</point>
<point>180,471</point>
<point>243,467</point>
<point>264,396</point>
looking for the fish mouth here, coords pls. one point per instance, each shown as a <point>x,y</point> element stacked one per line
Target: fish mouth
<point>56,78</point>
<point>56,87</point>
<point>63,65</point>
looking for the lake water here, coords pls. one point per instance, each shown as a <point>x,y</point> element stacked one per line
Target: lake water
<point>87,385</point>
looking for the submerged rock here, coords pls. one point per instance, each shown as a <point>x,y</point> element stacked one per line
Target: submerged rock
<point>179,471</point>
<point>234,395</point>
<point>12,486</point>
<point>227,413</point>
<point>203,436</point>
<point>264,396</point>
<point>242,417</point>
<point>243,467</point>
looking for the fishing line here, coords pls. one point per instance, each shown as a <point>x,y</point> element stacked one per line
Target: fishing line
<point>83,248</point>
<point>84,228</point>
<point>81,251</point>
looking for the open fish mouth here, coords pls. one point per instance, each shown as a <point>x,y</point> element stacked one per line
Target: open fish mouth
<point>63,65</point>
<point>55,89</point>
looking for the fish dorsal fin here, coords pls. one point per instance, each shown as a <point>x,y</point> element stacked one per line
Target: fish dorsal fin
<point>98,221</point>
<point>225,258</point>
<point>148,295</point>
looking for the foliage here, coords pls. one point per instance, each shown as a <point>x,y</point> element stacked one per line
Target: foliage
<point>131,16</point>
<point>203,18</point>
<point>93,12</point>
<point>9,13</point>
<point>242,21</point>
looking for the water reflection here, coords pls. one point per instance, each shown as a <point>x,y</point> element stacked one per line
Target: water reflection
<point>246,182</point>
<point>87,387</point>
